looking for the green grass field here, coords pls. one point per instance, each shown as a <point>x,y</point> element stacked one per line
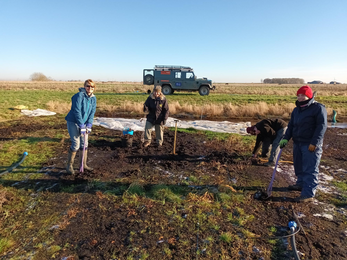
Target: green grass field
<point>231,100</point>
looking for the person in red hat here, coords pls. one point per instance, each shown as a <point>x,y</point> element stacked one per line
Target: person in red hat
<point>306,127</point>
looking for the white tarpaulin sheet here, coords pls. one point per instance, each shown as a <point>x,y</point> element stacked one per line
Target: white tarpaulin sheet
<point>139,124</point>
<point>37,112</point>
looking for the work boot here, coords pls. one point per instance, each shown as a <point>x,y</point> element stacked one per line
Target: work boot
<point>70,161</point>
<point>146,144</point>
<point>295,187</point>
<point>85,166</point>
<point>303,199</point>
<point>269,164</point>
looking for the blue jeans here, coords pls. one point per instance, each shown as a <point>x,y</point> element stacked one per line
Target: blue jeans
<point>276,144</point>
<point>306,166</point>
<point>77,140</point>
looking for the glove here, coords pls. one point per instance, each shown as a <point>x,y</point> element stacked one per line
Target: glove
<point>311,148</point>
<point>89,128</point>
<point>82,129</point>
<point>164,122</point>
<point>283,143</point>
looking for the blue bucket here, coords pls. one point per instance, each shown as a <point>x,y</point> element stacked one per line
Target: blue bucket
<point>128,132</point>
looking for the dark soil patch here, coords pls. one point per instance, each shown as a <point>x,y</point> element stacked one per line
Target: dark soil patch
<point>99,218</point>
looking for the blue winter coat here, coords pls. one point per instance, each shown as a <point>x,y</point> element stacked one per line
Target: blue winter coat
<point>82,108</point>
<point>307,124</point>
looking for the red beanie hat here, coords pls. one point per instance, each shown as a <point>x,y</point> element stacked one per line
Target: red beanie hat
<point>306,90</point>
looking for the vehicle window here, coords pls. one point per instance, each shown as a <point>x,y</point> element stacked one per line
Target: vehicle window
<point>177,75</point>
<point>189,75</point>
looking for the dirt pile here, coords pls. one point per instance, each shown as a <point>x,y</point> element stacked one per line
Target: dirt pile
<point>148,203</point>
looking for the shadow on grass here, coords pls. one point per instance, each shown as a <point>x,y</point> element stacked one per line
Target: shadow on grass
<point>78,184</point>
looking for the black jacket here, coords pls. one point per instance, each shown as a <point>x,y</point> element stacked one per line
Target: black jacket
<point>157,108</point>
<point>268,130</point>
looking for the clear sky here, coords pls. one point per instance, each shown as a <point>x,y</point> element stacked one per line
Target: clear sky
<point>223,40</point>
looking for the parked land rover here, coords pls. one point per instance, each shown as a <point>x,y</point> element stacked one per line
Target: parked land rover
<point>176,78</point>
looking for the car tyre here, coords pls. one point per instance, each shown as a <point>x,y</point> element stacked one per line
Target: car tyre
<point>166,89</point>
<point>204,91</point>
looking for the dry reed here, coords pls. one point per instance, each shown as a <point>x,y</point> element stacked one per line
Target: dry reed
<point>227,109</point>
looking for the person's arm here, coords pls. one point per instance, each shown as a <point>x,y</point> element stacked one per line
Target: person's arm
<point>166,109</point>
<point>146,106</point>
<point>77,108</point>
<point>91,114</point>
<point>321,126</point>
<point>289,132</point>
<point>257,146</point>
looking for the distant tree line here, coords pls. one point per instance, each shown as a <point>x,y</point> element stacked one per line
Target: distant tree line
<point>284,81</point>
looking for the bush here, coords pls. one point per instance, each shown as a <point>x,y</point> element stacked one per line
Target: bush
<point>38,76</point>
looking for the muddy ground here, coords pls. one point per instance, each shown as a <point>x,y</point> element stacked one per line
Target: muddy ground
<point>115,213</point>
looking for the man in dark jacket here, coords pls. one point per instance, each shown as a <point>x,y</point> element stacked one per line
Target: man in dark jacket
<point>158,112</point>
<point>307,127</point>
<point>269,132</point>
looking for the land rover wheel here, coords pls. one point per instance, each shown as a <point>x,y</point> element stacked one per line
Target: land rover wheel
<point>149,79</point>
<point>204,91</point>
<point>166,89</point>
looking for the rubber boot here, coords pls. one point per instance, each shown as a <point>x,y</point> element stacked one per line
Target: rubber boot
<point>70,161</point>
<point>85,166</point>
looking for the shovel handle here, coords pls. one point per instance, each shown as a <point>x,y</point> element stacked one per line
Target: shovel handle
<point>269,189</point>
<point>84,149</point>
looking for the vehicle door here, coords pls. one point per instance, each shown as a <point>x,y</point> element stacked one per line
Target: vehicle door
<point>189,80</point>
<point>177,81</point>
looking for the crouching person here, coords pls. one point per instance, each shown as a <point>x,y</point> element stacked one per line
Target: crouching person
<point>306,127</point>
<point>79,122</point>
<point>158,112</point>
<point>269,132</point>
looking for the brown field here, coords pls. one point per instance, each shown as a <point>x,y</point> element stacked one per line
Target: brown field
<point>212,109</point>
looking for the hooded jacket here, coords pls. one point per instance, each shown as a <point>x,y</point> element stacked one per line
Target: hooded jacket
<point>307,124</point>
<point>82,108</point>
<point>268,130</point>
<point>157,108</point>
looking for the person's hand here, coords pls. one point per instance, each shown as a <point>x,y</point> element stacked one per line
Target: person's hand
<point>311,148</point>
<point>283,143</point>
<point>89,128</point>
<point>82,129</point>
<point>164,122</point>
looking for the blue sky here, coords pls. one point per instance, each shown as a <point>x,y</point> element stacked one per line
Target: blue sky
<point>239,41</point>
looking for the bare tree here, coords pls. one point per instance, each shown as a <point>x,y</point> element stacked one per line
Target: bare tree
<point>38,76</point>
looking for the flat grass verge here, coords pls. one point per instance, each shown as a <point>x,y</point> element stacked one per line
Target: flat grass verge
<point>229,100</point>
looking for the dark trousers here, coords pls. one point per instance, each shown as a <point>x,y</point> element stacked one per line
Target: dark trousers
<point>306,166</point>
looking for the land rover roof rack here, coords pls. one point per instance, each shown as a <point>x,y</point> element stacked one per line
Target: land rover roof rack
<point>172,67</point>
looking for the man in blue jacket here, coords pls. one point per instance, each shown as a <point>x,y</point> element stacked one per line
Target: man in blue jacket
<point>307,127</point>
<point>80,121</point>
